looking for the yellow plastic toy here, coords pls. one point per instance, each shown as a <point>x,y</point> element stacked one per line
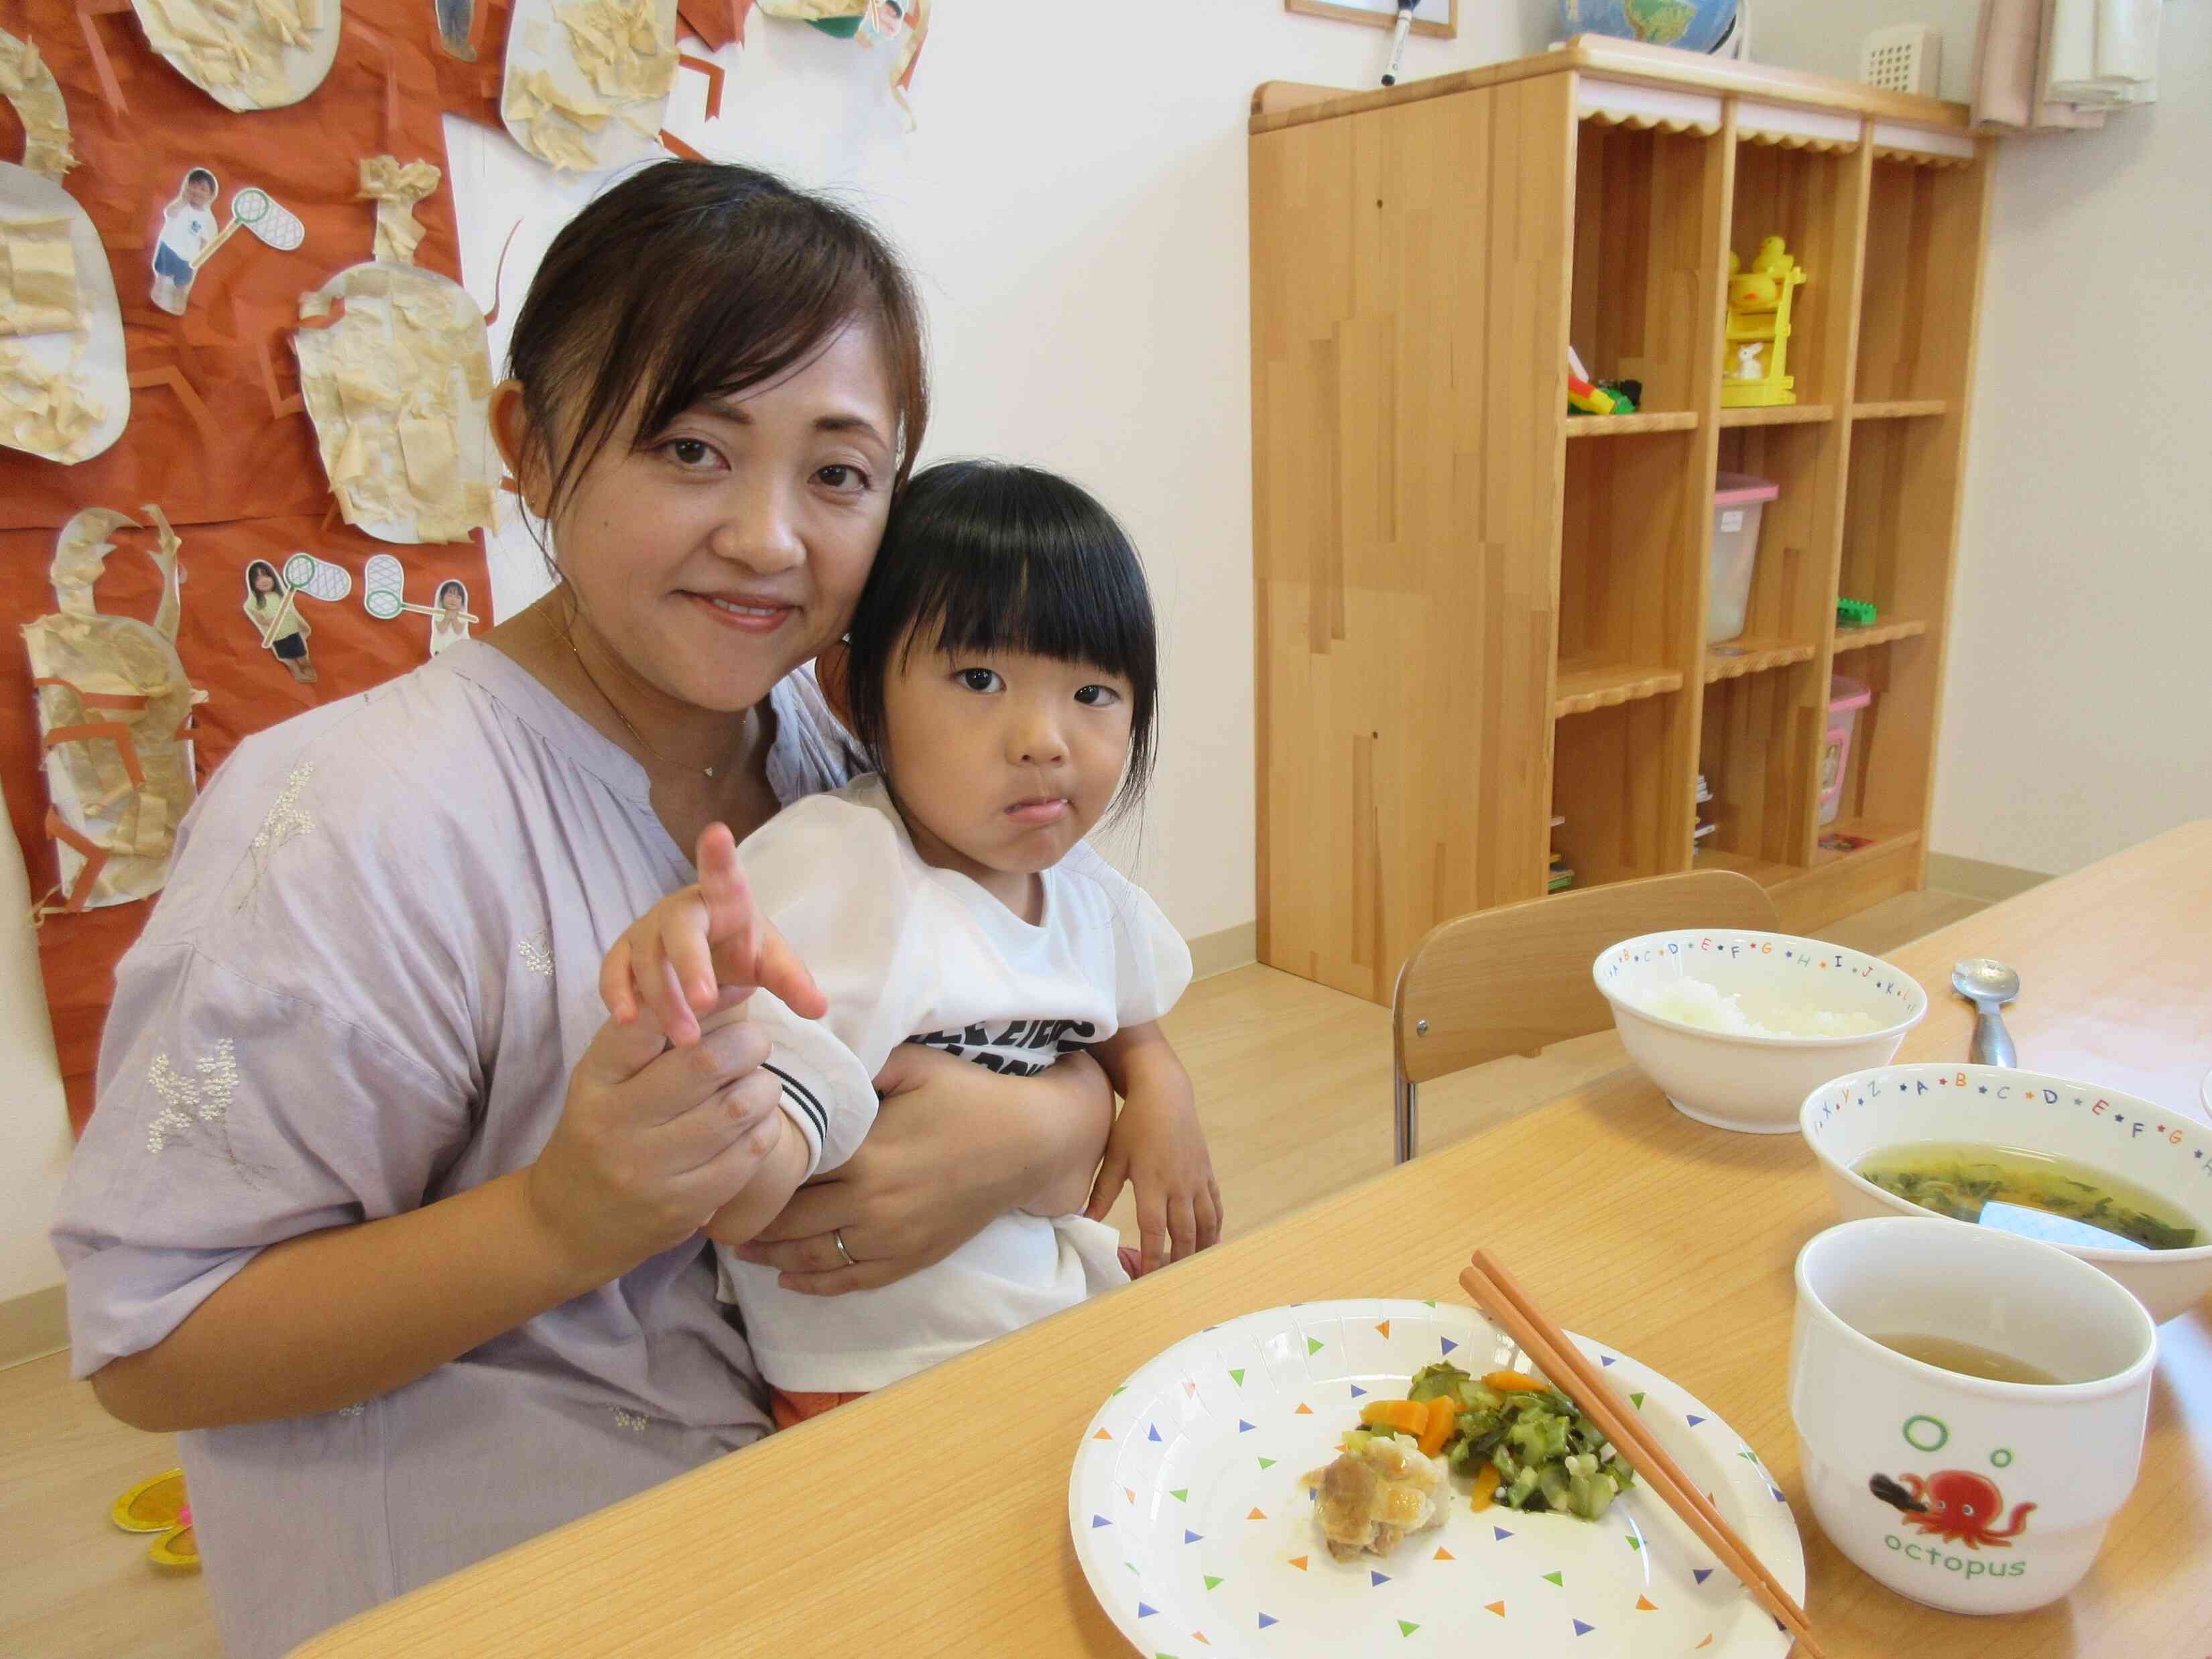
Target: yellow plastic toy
<point>159,1505</point>
<point>1757,339</point>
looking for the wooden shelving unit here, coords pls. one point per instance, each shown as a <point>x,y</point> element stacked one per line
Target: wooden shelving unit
<point>1878,632</point>
<point>1624,426</point>
<point>1473,611</point>
<point>1781,415</point>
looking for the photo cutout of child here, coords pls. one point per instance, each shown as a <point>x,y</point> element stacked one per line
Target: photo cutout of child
<point>274,610</point>
<point>449,622</point>
<point>187,226</point>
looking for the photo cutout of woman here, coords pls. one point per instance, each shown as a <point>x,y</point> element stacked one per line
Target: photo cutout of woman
<point>275,613</point>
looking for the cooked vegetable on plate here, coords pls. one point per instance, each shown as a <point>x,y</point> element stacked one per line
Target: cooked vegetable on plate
<point>1525,1444</point>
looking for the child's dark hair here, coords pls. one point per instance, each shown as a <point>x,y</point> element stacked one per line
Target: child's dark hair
<point>982,556</point>
<point>201,174</point>
<point>449,585</point>
<point>689,281</point>
<point>276,582</point>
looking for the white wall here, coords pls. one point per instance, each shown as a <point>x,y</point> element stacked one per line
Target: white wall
<point>1074,203</point>
<point>2077,716</point>
<point>2078,694</point>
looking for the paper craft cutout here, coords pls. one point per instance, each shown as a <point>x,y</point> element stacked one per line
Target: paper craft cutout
<point>270,220</point>
<point>873,22</point>
<point>28,84</point>
<point>115,703</point>
<point>64,385</point>
<point>586,81</point>
<point>456,22</point>
<point>272,606</point>
<point>384,596</point>
<point>395,369</point>
<point>395,190</point>
<point>38,278</point>
<point>246,54</point>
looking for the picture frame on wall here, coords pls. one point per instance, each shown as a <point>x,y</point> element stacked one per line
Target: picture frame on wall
<point>1438,18</point>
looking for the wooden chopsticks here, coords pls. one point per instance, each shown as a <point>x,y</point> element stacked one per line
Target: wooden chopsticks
<point>1497,1294</point>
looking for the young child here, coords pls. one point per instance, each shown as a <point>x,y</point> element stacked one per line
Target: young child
<point>1001,670</point>
<point>187,226</point>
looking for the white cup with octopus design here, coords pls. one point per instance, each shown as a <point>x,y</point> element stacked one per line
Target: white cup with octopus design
<point>1964,1493</point>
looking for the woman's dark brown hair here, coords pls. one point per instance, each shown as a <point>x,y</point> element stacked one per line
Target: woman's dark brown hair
<point>689,281</point>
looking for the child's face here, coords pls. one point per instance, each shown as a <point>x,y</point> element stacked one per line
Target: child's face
<point>264,582</point>
<point>1002,763</point>
<point>199,192</point>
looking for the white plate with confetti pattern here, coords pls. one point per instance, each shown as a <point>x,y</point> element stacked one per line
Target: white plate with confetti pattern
<point>1197,1538</point>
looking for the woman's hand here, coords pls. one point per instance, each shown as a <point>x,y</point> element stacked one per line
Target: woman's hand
<point>954,1146</point>
<point>653,1141</point>
<point>1158,1148</point>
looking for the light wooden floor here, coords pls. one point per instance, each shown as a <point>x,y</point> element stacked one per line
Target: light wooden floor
<point>1294,1081</point>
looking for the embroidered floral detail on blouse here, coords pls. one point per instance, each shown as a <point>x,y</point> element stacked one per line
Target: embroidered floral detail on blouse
<point>287,818</point>
<point>208,1100</point>
<point>537,952</point>
<point>633,1421</point>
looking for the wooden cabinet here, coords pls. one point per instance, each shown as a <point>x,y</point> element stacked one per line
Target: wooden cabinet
<point>1475,611</point>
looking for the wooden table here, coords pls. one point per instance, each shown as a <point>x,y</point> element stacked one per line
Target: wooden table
<point>885,1528</point>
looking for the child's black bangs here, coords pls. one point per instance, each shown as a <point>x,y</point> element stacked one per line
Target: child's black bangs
<point>1034,604</point>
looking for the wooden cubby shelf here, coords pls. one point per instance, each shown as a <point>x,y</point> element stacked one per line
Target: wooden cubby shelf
<point>1748,653</point>
<point>1763,871</point>
<point>1880,838</point>
<point>1779,415</point>
<point>1881,632</point>
<point>1627,426</point>
<point>1475,611</point>
<point>1583,688</point>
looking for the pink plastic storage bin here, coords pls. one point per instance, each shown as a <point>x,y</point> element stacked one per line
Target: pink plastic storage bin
<point>1846,696</point>
<point>1738,501</point>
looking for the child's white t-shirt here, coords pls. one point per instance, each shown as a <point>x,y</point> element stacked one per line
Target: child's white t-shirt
<point>185,229</point>
<point>906,952</point>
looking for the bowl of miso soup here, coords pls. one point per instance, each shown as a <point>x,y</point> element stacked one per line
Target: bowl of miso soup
<point>2123,1183</point>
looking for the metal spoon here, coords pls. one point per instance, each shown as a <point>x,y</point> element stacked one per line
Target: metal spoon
<point>1989,986</point>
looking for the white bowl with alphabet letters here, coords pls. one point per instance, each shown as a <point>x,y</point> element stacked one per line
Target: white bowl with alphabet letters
<point>1734,1026</point>
<point>2167,1154</point>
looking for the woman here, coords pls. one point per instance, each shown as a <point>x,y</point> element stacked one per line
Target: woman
<point>374,1201</point>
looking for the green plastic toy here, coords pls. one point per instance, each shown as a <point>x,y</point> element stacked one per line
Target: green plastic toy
<point>1854,613</point>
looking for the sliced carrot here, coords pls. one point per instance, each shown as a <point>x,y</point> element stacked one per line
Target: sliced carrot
<point>1400,1416</point>
<point>1515,1382</point>
<point>1443,1414</point>
<point>1486,1479</point>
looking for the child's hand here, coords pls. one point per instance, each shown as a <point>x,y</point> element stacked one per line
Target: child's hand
<point>702,949</point>
<point>762,1198</point>
<point>1158,1147</point>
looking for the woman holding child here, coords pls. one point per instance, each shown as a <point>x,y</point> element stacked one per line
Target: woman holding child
<point>379,1203</point>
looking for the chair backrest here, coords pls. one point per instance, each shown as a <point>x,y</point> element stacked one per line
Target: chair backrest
<point>1512,980</point>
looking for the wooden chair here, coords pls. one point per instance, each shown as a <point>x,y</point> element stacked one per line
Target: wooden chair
<point>1513,980</point>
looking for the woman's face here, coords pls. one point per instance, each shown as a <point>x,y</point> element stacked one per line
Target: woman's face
<point>730,548</point>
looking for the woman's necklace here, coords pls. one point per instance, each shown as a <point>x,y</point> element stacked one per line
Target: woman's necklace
<point>628,724</point>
